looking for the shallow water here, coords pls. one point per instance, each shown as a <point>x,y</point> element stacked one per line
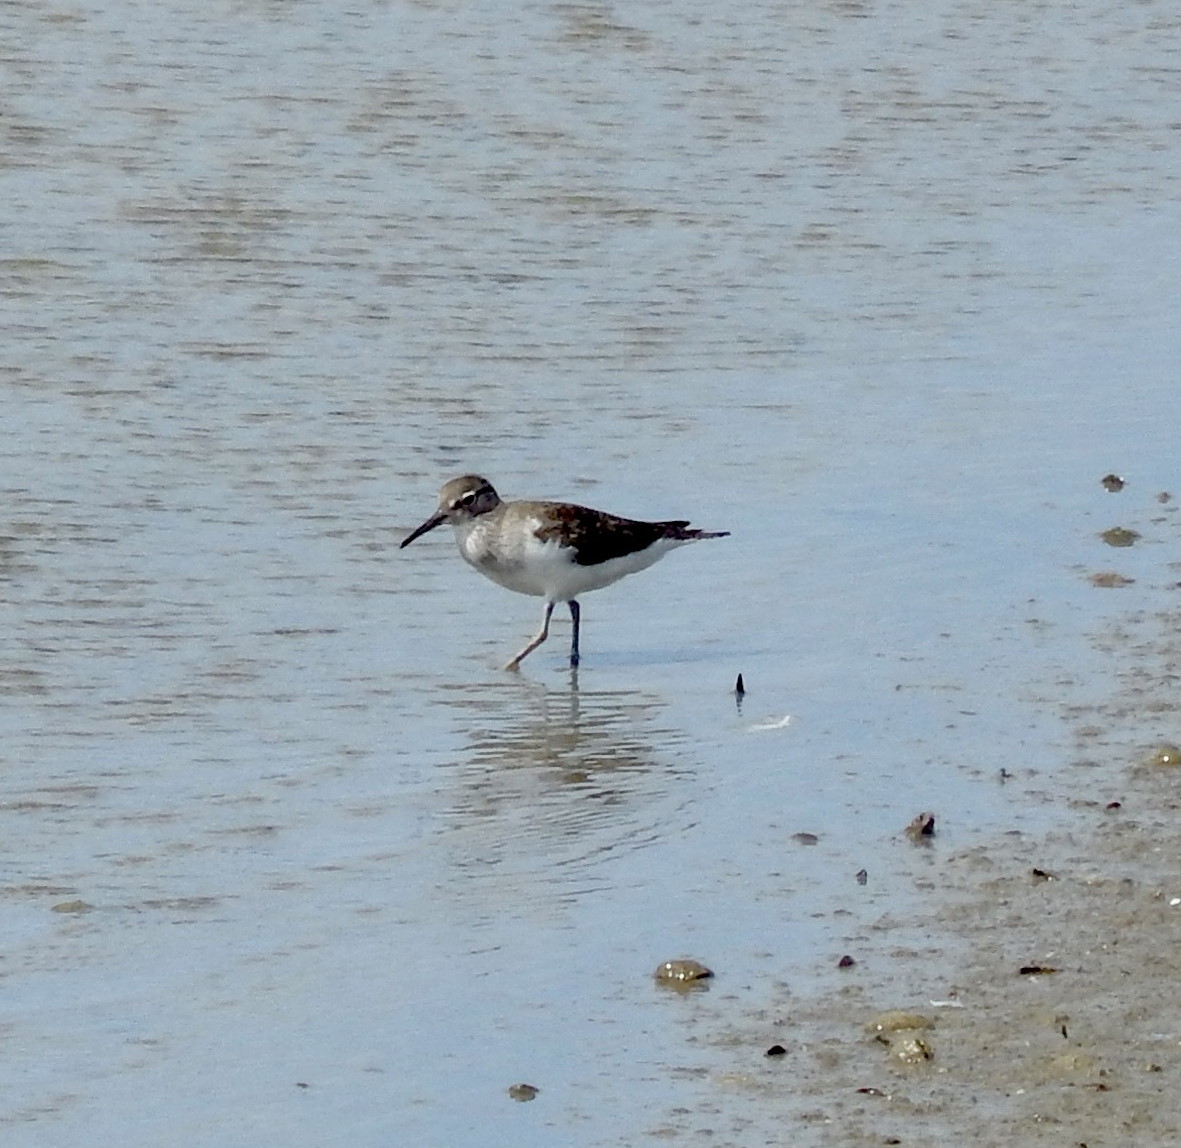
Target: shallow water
<point>884,290</point>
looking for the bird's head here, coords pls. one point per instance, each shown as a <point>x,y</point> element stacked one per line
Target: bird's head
<point>461,500</point>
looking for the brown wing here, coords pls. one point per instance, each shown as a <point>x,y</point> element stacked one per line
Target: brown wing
<point>598,537</point>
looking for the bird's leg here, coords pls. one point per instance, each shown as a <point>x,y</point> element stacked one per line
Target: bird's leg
<point>515,663</point>
<point>575,615</point>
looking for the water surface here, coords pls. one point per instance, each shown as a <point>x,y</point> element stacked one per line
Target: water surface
<point>883,289</point>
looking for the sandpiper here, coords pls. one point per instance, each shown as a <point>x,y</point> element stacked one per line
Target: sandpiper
<point>552,550</point>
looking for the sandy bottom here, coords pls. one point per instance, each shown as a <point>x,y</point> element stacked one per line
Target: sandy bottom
<point>1084,1051</point>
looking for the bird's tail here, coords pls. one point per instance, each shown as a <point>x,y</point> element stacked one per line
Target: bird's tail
<point>683,532</point>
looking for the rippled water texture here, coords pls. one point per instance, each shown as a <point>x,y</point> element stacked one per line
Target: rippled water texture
<point>882,288</point>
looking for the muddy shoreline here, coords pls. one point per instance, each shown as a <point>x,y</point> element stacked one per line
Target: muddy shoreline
<point>1048,967</point>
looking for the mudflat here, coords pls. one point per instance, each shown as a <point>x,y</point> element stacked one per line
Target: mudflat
<point>1040,1006</point>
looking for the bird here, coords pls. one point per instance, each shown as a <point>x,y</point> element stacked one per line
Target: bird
<point>552,550</point>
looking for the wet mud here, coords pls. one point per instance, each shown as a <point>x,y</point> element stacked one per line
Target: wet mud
<point>1041,1007</point>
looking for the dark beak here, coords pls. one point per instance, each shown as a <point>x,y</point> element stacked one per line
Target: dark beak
<point>436,519</point>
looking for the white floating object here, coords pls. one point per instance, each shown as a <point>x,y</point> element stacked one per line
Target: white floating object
<point>782,723</point>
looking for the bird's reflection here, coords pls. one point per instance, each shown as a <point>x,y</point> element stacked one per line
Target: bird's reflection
<point>557,780</point>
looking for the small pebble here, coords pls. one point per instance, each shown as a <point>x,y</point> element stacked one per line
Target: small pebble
<point>900,1032</point>
<point>682,973</point>
<point>1110,580</point>
<point>1120,536</point>
<point>910,1049</point>
<point>1165,755</point>
<point>72,907</point>
<point>894,1020</point>
<point>523,1092</point>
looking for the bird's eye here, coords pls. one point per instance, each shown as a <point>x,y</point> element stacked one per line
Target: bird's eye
<point>468,498</point>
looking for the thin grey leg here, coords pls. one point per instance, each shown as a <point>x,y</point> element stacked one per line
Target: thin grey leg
<point>575,617</point>
<point>541,637</point>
